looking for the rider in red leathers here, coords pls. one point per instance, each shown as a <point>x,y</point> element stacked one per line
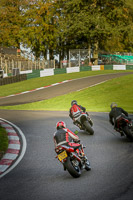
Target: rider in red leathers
<point>63,136</point>
<point>75,111</point>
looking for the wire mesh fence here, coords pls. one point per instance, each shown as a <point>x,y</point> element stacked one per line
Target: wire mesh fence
<point>13,59</point>
<point>9,62</point>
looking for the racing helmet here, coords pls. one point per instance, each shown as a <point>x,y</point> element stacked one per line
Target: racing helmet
<point>113,105</point>
<point>73,102</point>
<point>60,125</point>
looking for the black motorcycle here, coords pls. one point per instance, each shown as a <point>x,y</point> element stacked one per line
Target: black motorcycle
<point>124,125</point>
<point>72,159</point>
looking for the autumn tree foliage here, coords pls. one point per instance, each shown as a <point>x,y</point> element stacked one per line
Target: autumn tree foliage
<point>107,23</point>
<point>12,21</point>
<point>40,32</point>
<point>59,25</point>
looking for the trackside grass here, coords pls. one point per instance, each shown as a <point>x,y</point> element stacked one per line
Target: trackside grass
<point>3,141</point>
<point>31,84</point>
<point>95,99</point>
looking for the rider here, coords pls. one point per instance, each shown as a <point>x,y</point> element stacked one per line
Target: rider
<point>66,137</point>
<point>115,114</point>
<point>75,111</point>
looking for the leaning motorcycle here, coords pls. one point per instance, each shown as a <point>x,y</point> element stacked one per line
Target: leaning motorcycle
<point>84,122</point>
<point>125,126</point>
<point>73,159</point>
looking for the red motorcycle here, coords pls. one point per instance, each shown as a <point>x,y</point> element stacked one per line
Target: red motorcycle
<point>125,126</point>
<point>73,159</point>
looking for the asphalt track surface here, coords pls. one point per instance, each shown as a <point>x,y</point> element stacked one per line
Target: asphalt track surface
<point>40,176</point>
<point>58,90</point>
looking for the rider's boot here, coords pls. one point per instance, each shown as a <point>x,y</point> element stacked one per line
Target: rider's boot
<point>64,167</point>
<point>90,121</point>
<point>121,132</point>
<point>87,164</point>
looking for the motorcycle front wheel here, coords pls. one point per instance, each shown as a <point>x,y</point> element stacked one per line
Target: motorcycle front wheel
<point>88,127</point>
<point>73,170</point>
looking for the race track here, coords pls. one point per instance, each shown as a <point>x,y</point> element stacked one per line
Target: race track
<point>58,90</point>
<point>40,176</point>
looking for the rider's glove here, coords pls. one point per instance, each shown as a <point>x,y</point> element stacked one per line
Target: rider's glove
<point>77,141</point>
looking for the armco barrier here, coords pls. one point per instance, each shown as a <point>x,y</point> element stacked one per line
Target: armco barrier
<point>49,72</point>
<point>101,67</point>
<point>60,71</point>
<point>26,72</point>
<point>72,69</point>
<point>119,67</point>
<point>96,67</point>
<point>108,67</point>
<point>34,74</point>
<point>85,68</point>
<point>129,67</point>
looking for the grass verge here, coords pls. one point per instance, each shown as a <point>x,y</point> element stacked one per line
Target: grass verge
<point>3,141</point>
<point>95,99</point>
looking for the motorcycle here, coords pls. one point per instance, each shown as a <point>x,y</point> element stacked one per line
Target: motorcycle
<point>125,126</point>
<point>84,122</point>
<point>73,159</point>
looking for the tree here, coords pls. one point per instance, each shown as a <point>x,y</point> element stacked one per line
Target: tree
<point>11,22</point>
<point>60,25</point>
<point>95,23</point>
<point>40,28</point>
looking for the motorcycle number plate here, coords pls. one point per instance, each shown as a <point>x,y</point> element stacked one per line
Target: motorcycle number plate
<point>62,155</point>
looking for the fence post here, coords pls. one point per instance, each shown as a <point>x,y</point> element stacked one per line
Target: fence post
<point>1,62</point>
<point>69,59</point>
<point>19,65</point>
<point>79,57</point>
<point>54,63</point>
<point>6,66</point>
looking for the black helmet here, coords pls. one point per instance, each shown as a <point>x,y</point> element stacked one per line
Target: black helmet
<point>73,102</point>
<point>113,105</point>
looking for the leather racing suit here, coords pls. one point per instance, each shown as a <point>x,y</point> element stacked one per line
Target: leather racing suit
<point>115,113</point>
<point>66,137</point>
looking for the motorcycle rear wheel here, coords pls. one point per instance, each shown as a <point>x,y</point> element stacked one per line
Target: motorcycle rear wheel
<point>74,171</point>
<point>88,127</point>
<point>129,133</point>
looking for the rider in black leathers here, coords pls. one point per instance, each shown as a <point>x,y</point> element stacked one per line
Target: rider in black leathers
<point>115,113</point>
